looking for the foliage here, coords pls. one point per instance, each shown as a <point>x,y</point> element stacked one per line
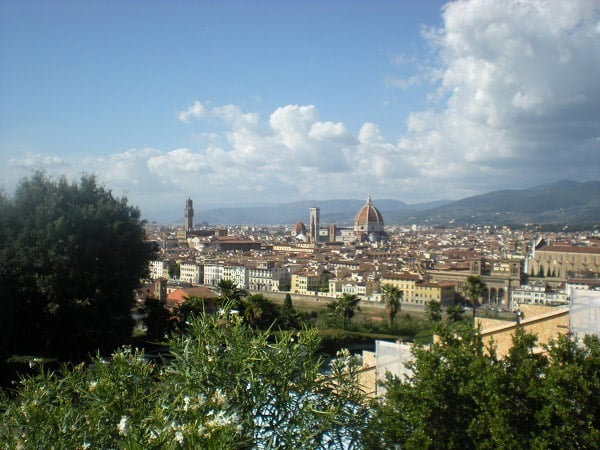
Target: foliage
<point>343,307</point>
<point>461,395</point>
<point>474,288</point>
<point>156,319</point>
<point>225,386</point>
<point>70,256</point>
<point>174,269</point>
<point>258,311</point>
<point>229,293</point>
<point>391,297</point>
<point>433,311</point>
<point>455,313</point>
<point>288,317</point>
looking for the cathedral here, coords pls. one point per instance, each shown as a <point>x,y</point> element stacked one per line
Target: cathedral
<point>368,227</point>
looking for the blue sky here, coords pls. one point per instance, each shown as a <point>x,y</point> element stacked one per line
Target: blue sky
<point>239,102</point>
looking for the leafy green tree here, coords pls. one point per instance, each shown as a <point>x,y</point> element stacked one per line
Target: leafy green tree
<point>391,297</point>
<point>229,293</point>
<point>455,313</point>
<point>433,311</point>
<point>224,386</point>
<point>438,404</point>
<point>70,256</point>
<point>461,395</point>
<point>474,289</point>
<point>288,317</point>
<point>191,307</point>
<point>344,307</point>
<point>174,269</point>
<point>157,319</point>
<point>258,311</point>
<point>287,304</point>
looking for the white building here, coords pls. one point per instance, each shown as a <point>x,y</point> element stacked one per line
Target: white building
<point>213,272</point>
<point>538,294</point>
<point>236,273</point>
<point>158,269</point>
<point>191,272</point>
<point>266,276</point>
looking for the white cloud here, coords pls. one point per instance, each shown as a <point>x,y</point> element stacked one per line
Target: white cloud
<point>196,111</point>
<point>519,88</point>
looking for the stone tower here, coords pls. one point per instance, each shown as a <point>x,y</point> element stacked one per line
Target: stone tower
<point>314,225</point>
<point>188,214</point>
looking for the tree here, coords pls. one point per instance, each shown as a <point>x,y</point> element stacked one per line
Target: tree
<point>461,395</point>
<point>223,386</point>
<point>229,293</point>
<point>174,270</point>
<point>455,313</point>
<point>191,307</point>
<point>287,304</point>
<point>474,289</point>
<point>392,297</point>
<point>258,311</point>
<point>288,317</point>
<point>433,311</point>
<point>157,319</point>
<point>70,256</point>
<point>343,307</point>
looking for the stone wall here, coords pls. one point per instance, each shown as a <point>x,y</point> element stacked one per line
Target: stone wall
<point>546,326</point>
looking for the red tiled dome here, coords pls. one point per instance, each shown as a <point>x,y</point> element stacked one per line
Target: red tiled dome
<point>368,219</point>
<point>299,228</point>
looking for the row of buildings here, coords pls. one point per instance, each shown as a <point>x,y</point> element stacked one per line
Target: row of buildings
<point>424,263</point>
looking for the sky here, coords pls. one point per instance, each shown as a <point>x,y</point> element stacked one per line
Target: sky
<point>235,103</point>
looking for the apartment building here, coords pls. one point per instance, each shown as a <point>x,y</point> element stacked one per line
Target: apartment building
<point>405,282</point>
<point>213,272</point>
<point>266,276</point>
<point>158,269</point>
<point>237,273</point>
<point>191,272</point>
<point>309,282</point>
<point>537,294</point>
<point>426,291</point>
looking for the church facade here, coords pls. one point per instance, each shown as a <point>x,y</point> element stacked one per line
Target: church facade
<point>368,227</point>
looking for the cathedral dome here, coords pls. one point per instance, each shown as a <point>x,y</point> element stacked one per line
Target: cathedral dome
<point>299,228</point>
<point>368,219</point>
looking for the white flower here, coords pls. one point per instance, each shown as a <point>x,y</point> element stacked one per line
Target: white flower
<point>92,386</point>
<point>179,437</point>
<point>186,403</point>
<point>122,426</point>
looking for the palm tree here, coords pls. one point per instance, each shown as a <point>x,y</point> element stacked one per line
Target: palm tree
<point>392,297</point>
<point>258,310</point>
<point>474,289</point>
<point>344,307</point>
<point>455,313</point>
<point>230,294</point>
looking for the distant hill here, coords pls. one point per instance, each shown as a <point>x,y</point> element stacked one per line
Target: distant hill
<point>564,202</point>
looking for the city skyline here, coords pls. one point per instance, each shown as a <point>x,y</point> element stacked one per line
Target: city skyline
<point>241,102</point>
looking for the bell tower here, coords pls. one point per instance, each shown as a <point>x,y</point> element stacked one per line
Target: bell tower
<point>314,225</point>
<point>188,214</point>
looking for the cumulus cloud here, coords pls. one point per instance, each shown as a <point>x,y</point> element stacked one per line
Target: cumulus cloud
<point>519,87</point>
<point>195,111</point>
<point>34,160</point>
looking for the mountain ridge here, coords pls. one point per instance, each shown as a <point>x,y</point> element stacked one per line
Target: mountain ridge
<point>562,202</point>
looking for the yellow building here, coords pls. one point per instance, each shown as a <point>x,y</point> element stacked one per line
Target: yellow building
<point>308,282</point>
<point>404,282</point>
<point>444,293</point>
